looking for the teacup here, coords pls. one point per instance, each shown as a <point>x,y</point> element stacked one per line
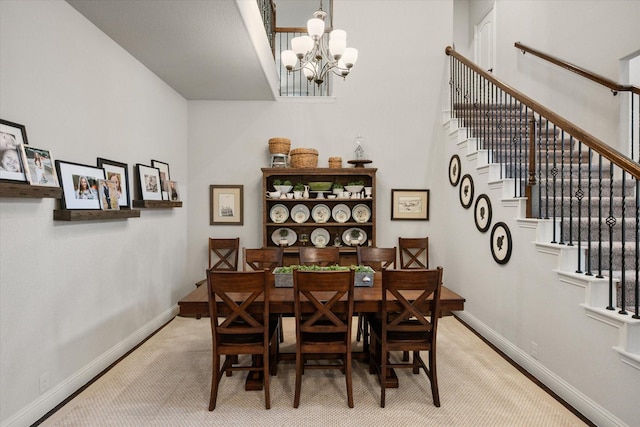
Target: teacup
<point>273,194</point>
<point>289,195</point>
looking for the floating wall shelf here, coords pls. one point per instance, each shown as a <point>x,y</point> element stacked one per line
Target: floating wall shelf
<point>8,189</point>
<point>97,215</point>
<point>156,204</point>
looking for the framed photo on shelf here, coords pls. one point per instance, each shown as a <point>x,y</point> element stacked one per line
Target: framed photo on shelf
<point>12,137</point>
<point>118,173</point>
<point>172,189</point>
<point>226,204</point>
<point>39,166</point>
<point>149,179</point>
<point>410,204</point>
<point>108,192</point>
<point>79,185</point>
<point>164,176</point>
<point>466,191</point>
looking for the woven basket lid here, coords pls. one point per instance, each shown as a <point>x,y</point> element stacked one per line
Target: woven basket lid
<point>277,140</point>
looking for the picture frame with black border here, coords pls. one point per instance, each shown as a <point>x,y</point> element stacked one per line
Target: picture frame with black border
<point>409,204</point>
<point>466,191</point>
<point>79,185</point>
<point>149,182</point>
<point>501,244</point>
<point>482,213</point>
<point>454,170</point>
<point>226,205</point>
<point>163,167</point>
<point>12,136</point>
<point>118,171</point>
<point>39,166</point>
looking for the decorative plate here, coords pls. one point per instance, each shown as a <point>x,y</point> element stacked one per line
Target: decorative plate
<point>341,213</point>
<point>466,191</point>
<point>454,170</point>
<point>482,213</point>
<point>501,243</point>
<point>300,213</point>
<point>351,240</point>
<point>361,213</point>
<point>321,213</point>
<point>279,213</point>
<point>291,236</point>
<point>320,237</point>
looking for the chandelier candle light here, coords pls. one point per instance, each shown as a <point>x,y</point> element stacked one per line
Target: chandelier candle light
<point>316,58</point>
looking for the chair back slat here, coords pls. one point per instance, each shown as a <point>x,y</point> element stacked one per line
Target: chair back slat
<point>319,256</point>
<point>376,258</point>
<point>223,254</point>
<point>414,252</point>
<point>262,259</point>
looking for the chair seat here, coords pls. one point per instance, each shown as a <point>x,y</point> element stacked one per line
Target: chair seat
<point>400,336</point>
<point>247,339</point>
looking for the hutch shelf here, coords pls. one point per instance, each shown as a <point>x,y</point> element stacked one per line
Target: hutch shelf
<point>336,233</point>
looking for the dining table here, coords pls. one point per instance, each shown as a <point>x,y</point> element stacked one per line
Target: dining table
<point>367,299</point>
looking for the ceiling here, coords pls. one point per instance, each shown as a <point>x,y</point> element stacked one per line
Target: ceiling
<point>203,49</point>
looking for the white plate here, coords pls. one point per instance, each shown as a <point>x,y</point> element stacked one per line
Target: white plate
<point>320,237</point>
<point>279,213</point>
<point>291,237</point>
<point>346,237</point>
<point>300,213</point>
<point>341,213</point>
<point>361,213</point>
<point>321,213</point>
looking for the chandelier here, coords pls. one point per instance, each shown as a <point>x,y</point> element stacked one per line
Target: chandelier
<point>316,58</point>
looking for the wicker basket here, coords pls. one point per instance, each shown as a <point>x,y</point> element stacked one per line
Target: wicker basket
<point>335,162</point>
<point>304,158</point>
<point>279,145</point>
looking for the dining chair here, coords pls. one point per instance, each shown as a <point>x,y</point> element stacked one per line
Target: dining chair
<point>223,255</point>
<point>378,259</point>
<point>323,323</point>
<point>264,259</point>
<point>237,332</point>
<point>310,255</point>
<point>414,252</point>
<point>408,322</point>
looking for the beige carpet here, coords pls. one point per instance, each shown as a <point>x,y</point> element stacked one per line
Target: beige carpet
<point>166,382</point>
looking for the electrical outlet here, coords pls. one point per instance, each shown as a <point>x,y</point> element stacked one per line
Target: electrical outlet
<point>534,350</point>
<point>44,382</point>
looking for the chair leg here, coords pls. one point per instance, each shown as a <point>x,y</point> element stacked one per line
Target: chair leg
<point>383,378</point>
<point>405,356</point>
<point>281,328</point>
<point>416,362</point>
<point>216,374</point>
<point>348,377</point>
<point>265,373</point>
<point>360,327</point>
<point>434,378</point>
<point>296,398</point>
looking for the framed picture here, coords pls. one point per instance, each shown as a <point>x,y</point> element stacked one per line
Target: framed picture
<point>39,166</point>
<point>12,136</point>
<point>501,243</point>
<point>79,185</point>
<point>410,204</point>
<point>466,191</point>
<point>164,176</point>
<point>149,179</point>
<point>454,170</point>
<point>118,173</point>
<point>108,192</point>
<point>172,189</point>
<point>482,213</point>
<point>226,204</point>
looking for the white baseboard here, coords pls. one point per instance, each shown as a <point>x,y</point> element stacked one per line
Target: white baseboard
<point>38,408</point>
<point>587,407</point>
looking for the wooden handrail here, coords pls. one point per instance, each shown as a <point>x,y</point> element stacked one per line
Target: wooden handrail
<point>632,167</point>
<point>615,87</point>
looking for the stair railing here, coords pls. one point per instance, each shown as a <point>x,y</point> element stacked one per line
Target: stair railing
<point>565,173</point>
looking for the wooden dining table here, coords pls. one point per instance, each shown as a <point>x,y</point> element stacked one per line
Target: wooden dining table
<point>366,300</point>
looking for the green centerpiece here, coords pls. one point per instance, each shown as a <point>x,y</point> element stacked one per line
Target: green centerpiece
<point>284,275</point>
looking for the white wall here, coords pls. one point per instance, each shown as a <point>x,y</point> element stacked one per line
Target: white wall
<point>74,296</point>
<point>396,108</point>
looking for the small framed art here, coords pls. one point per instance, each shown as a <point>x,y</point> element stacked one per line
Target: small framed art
<point>410,204</point>
<point>119,173</point>
<point>454,170</point>
<point>226,204</point>
<point>501,243</point>
<point>108,192</point>
<point>149,180</point>
<point>12,136</point>
<point>164,176</point>
<point>79,185</point>
<point>39,166</point>
<point>172,189</point>
<point>466,191</point>
<point>482,213</point>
